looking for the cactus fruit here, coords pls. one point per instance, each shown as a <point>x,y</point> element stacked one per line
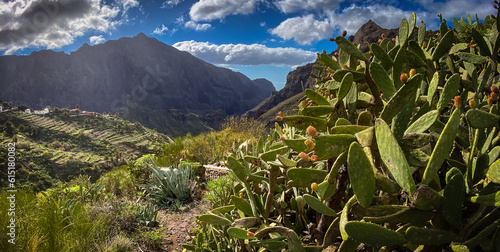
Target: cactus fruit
<point>314,158</point>
<point>457,101</point>
<point>281,114</point>
<point>279,118</point>
<point>413,72</point>
<point>495,89</point>
<point>494,97</point>
<point>490,101</point>
<point>404,78</point>
<point>303,104</point>
<point>472,103</point>
<point>312,131</point>
<point>304,156</point>
<point>309,143</point>
<point>344,33</point>
<point>314,187</point>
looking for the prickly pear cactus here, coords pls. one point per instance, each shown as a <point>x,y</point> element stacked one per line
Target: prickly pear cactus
<point>397,148</point>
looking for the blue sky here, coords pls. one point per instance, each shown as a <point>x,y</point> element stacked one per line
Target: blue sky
<point>260,38</point>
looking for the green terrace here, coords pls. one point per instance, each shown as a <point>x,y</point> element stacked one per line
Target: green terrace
<point>57,146</point>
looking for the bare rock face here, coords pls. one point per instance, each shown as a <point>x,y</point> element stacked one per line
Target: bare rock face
<point>368,33</point>
<point>296,82</point>
<point>139,77</point>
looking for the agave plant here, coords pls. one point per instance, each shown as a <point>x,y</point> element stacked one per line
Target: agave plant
<point>170,184</point>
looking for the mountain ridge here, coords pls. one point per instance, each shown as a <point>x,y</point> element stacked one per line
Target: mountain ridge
<point>128,75</point>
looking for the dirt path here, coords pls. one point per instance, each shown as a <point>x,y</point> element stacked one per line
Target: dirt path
<point>178,224</point>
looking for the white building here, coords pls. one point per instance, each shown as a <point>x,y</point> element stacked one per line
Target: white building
<point>1,108</point>
<point>41,112</point>
<point>27,111</point>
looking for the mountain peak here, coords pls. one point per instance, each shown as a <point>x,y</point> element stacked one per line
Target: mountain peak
<point>141,35</point>
<point>370,32</point>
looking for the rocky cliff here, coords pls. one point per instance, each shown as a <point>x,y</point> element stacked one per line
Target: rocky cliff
<point>140,77</point>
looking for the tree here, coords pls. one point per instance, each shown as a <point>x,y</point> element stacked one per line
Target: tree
<point>23,107</point>
<point>10,129</point>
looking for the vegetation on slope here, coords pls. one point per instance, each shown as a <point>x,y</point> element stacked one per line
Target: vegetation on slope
<point>93,184</point>
<point>57,147</point>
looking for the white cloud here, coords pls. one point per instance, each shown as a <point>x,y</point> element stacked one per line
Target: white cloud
<point>94,40</point>
<point>127,4</point>
<point>319,18</point>
<point>304,30</point>
<point>170,3</point>
<point>160,30</point>
<point>244,54</point>
<point>206,10</point>
<point>198,27</point>
<point>180,20</point>
<point>353,17</point>
<point>291,6</point>
<point>457,8</point>
<point>53,24</point>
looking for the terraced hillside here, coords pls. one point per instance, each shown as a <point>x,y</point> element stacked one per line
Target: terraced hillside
<point>59,147</point>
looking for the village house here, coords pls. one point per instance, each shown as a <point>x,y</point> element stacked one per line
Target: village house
<point>27,111</point>
<point>74,112</point>
<point>86,113</point>
<point>41,112</point>
<point>1,109</point>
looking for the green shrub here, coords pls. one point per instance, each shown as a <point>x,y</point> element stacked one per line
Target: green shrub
<point>119,243</point>
<point>173,152</point>
<point>118,182</point>
<point>220,190</point>
<point>55,145</point>
<point>52,222</point>
<point>147,215</point>
<point>152,238</point>
<point>211,146</point>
